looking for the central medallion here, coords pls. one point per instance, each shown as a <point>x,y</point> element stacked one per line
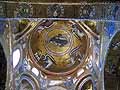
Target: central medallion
<point>58,42</point>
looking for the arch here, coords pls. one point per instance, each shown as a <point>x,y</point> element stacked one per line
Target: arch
<point>112,64</point>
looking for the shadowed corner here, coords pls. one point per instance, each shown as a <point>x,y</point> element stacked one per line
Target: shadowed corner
<point>3,68</point>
